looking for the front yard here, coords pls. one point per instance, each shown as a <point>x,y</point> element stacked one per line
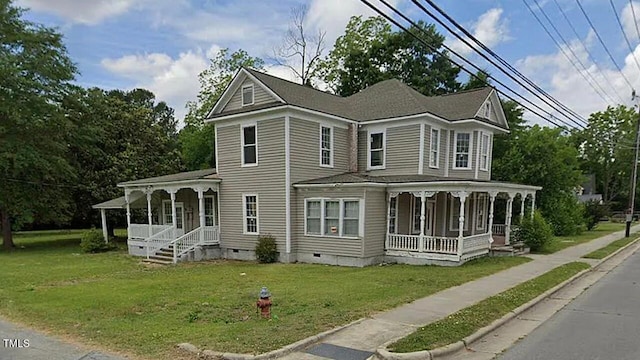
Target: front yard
<point>115,301</point>
<point>563,242</point>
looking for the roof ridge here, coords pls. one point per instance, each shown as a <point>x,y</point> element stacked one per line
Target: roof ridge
<point>251,70</point>
<point>464,91</point>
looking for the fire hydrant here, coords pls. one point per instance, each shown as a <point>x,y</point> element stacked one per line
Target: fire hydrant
<point>264,303</point>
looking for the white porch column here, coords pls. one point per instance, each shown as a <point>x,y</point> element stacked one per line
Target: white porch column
<point>149,191</point>
<point>507,228</point>
<point>126,199</point>
<point>103,216</point>
<point>523,197</point>
<point>201,212</point>
<point>492,199</point>
<point>174,217</point>
<point>423,201</point>
<point>533,204</point>
<point>462,196</point>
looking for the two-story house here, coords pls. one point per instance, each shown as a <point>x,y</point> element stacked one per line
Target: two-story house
<point>386,174</point>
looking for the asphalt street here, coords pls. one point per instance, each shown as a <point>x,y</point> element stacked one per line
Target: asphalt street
<point>603,323</point>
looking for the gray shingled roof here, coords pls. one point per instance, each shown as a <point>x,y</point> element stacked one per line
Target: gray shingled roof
<point>183,176</point>
<point>386,99</point>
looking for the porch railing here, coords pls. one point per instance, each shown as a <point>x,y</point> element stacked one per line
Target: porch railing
<point>159,240</point>
<point>416,243</point>
<point>185,243</point>
<point>141,231</point>
<point>498,229</point>
<point>475,242</point>
<point>211,235</point>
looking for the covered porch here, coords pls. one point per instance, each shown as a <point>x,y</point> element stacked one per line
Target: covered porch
<point>450,222</point>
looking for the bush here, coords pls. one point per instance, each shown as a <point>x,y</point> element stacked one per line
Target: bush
<point>266,249</point>
<point>535,233</point>
<point>565,214</point>
<point>593,212</point>
<point>93,242</point>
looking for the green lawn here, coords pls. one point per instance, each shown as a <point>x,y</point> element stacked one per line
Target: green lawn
<point>609,249</point>
<point>563,242</point>
<point>113,300</point>
<point>467,321</point>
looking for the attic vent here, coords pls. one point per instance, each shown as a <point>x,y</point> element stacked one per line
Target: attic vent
<point>247,95</point>
<point>487,110</point>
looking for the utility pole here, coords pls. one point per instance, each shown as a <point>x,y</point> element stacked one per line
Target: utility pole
<point>634,178</point>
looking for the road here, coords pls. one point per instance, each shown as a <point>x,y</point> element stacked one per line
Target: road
<point>603,323</point>
<point>18,343</point>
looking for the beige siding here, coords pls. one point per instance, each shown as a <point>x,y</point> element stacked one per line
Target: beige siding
<point>402,150</point>
<point>267,180</point>
<point>482,174</point>
<point>324,244</point>
<point>457,173</point>
<point>375,221</point>
<point>260,96</point>
<point>362,151</point>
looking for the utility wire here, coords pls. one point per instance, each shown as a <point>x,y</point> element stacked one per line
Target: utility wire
<point>500,59</point>
<point>606,49</point>
<point>586,49</point>
<point>626,39</point>
<point>635,22</point>
<point>421,40</point>
<point>600,91</point>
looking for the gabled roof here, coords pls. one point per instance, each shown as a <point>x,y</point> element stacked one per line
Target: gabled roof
<point>386,99</point>
<point>206,174</point>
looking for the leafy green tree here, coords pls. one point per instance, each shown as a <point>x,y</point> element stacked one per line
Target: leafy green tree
<point>196,139</point>
<point>480,80</point>
<point>606,149</point>
<point>370,52</point>
<point>35,72</point>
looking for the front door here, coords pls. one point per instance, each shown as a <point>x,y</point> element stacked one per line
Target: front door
<point>168,216</point>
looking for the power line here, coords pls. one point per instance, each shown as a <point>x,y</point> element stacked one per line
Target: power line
<point>586,49</point>
<point>500,59</point>
<point>601,91</point>
<point>603,44</point>
<point>626,39</point>
<point>390,19</point>
<point>635,22</point>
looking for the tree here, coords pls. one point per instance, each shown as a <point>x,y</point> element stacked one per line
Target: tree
<point>35,72</point>
<point>480,80</point>
<point>301,52</point>
<point>606,149</point>
<point>370,52</point>
<point>196,140</point>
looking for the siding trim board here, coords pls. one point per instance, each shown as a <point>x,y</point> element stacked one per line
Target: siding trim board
<point>421,151</point>
<point>287,181</point>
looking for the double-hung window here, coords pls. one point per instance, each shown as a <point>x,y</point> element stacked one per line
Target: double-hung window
<point>463,151</point>
<point>435,146</point>
<point>484,152</point>
<point>393,214</point>
<point>247,95</point>
<point>326,146</point>
<point>481,210</point>
<point>250,213</point>
<point>376,150</point>
<point>249,145</point>
<point>417,209</point>
<point>333,217</point>
<point>209,211</point>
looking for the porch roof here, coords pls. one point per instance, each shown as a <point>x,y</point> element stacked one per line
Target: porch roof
<point>121,203</point>
<point>404,181</point>
<point>206,174</point>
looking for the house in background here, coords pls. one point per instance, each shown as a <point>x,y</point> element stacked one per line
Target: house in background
<point>386,174</point>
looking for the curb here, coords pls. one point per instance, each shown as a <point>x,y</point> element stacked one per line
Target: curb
<point>383,354</point>
<point>210,354</point>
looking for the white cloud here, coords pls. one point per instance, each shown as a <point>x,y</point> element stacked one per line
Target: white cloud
<point>79,11</point>
<point>490,28</point>
<point>628,21</point>
<point>174,80</point>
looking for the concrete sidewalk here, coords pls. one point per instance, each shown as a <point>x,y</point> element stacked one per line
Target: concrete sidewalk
<point>360,341</point>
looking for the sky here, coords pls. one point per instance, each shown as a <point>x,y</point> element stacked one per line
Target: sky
<point>163,45</point>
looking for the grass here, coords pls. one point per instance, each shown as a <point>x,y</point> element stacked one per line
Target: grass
<point>611,248</point>
<point>114,301</point>
<point>562,242</point>
<point>467,321</point>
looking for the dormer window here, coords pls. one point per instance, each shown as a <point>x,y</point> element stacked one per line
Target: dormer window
<point>247,95</point>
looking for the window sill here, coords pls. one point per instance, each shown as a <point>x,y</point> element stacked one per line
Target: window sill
<point>326,166</point>
<point>247,233</point>
<point>434,167</point>
<point>376,167</point>
<point>461,168</point>
<point>249,165</point>
<point>333,236</point>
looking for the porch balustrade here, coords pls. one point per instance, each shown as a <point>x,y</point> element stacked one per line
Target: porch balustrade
<point>141,231</point>
<point>498,229</point>
<point>437,244</point>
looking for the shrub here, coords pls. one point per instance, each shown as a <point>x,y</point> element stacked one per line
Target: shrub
<point>593,212</point>
<point>93,242</point>
<point>565,214</point>
<point>535,233</point>
<point>266,249</point>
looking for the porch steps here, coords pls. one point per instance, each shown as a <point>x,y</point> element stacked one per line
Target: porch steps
<point>515,249</point>
<point>164,256</point>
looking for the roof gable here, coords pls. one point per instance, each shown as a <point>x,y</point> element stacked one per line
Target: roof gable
<point>234,90</point>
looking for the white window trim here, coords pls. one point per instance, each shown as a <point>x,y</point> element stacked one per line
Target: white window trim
<point>486,166</point>
<point>453,223</point>
<point>384,149</point>
<point>331,141</point>
<point>437,165</point>
<point>481,199</point>
<point>213,216</point>
<point>340,221</point>
<point>179,204</point>
<point>253,95</point>
<point>242,127</point>
<point>244,214</point>
<point>487,109</point>
<point>455,150</point>
<point>395,219</point>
